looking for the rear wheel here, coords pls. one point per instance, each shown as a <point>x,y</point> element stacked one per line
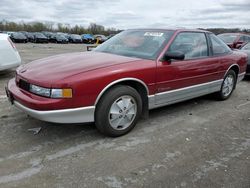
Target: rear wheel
<point>228,85</point>
<point>118,111</point>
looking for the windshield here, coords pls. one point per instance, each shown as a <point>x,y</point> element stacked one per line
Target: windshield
<point>19,35</point>
<point>60,37</point>
<point>76,36</point>
<point>30,35</point>
<point>39,35</point>
<point>228,38</point>
<point>88,36</point>
<point>136,43</point>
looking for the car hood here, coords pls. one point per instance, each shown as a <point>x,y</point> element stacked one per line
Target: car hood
<point>55,68</point>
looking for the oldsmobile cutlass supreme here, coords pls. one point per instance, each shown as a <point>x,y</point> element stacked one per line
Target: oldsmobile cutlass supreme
<point>123,78</point>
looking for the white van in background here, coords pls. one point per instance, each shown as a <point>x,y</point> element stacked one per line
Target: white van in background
<point>9,56</point>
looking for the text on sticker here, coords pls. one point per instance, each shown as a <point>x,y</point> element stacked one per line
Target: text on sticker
<point>153,34</point>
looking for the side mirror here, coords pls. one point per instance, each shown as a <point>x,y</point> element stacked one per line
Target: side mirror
<point>176,55</point>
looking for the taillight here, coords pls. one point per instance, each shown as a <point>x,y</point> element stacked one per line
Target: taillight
<point>12,44</point>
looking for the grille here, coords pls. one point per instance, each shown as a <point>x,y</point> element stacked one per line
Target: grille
<point>24,85</point>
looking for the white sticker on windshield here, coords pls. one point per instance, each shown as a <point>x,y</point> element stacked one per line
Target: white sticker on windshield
<point>153,34</point>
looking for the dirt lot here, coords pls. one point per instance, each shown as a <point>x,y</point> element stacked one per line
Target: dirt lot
<point>198,143</point>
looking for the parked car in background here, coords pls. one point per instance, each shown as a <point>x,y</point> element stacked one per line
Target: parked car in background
<point>51,37</point>
<point>9,33</point>
<point>123,78</point>
<point>235,40</point>
<point>66,35</point>
<point>18,37</point>
<point>40,38</point>
<point>246,49</point>
<point>47,34</point>
<point>88,38</point>
<point>74,38</point>
<point>100,38</point>
<point>9,56</point>
<point>57,38</point>
<point>24,32</point>
<point>30,36</point>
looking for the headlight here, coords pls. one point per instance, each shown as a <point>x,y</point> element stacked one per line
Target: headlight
<point>40,90</point>
<point>61,93</point>
<point>52,93</point>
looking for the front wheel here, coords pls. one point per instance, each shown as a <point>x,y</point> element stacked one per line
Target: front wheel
<point>228,85</point>
<point>118,111</point>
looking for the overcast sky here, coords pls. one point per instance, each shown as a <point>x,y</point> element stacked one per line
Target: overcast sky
<point>124,14</point>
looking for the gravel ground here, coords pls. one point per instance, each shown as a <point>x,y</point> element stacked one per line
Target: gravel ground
<point>197,143</point>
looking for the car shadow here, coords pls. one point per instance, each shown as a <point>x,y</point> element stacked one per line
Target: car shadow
<point>61,130</point>
<point>246,78</point>
<point>7,74</point>
<point>52,136</point>
<point>186,107</point>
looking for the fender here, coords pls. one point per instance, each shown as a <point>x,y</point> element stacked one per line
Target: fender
<point>118,81</point>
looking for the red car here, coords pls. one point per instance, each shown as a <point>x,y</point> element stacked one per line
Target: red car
<point>123,78</point>
<point>235,40</point>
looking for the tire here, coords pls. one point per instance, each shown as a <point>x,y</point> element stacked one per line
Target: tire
<point>123,118</point>
<point>228,86</point>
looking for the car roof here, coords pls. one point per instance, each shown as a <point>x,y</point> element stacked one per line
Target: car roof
<point>173,29</point>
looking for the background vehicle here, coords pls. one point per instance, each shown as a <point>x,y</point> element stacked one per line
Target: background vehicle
<point>18,37</point>
<point>24,32</point>
<point>101,38</point>
<point>123,78</point>
<point>9,56</point>
<point>235,40</point>
<point>246,49</point>
<point>57,38</point>
<point>88,38</point>
<point>74,38</point>
<point>66,35</point>
<point>30,36</point>
<point>47,34</point>
<point>40,38</point>
<point>9,32</point>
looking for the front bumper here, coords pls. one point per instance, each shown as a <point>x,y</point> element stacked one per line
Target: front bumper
<point>74,115</point>
<point>69,115</point>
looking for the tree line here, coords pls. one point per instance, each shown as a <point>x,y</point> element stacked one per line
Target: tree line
<point>93,28</point>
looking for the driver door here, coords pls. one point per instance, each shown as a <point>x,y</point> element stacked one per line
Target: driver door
<point>188,78</point>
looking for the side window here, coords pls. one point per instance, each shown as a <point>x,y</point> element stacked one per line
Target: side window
<point>193,45</point>
<point>242,39</point>
<point>218,46</point>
